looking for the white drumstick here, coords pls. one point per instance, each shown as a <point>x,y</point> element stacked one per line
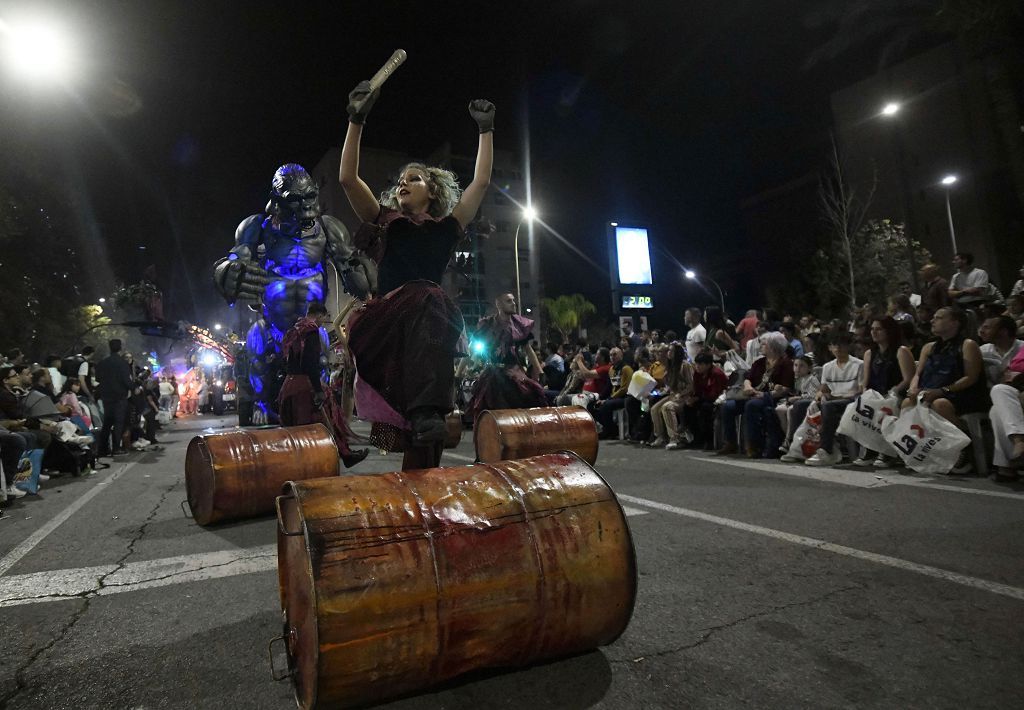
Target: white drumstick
<point>383,73</point>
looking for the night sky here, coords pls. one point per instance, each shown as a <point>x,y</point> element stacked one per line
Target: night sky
<point>664,113</point>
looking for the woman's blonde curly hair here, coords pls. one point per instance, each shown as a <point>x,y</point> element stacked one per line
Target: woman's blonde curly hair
<point>444,188</point>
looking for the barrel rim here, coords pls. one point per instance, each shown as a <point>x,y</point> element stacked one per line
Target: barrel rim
<point>290,488</point>
<point>200,513</point>
<point>629,535</point>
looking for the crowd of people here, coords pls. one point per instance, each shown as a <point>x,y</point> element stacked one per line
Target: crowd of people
<point>956,348</point>
<point>63,415</point>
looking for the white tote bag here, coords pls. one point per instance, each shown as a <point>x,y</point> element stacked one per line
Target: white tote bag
<point>807,437</point>
<point>641,384</point>
<point>926,442</point>
<point>862,421</point>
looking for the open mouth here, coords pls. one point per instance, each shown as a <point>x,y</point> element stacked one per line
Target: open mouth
<point>403,192</point>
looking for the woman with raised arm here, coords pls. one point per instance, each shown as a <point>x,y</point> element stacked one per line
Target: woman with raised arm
<point>405,340</point>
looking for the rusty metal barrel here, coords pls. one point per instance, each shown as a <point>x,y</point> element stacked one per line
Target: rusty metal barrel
<point>396,581</point>
<point>506,434</point>
<point>237,474</point>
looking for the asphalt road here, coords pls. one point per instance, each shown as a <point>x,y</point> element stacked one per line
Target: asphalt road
<point>761,585</point>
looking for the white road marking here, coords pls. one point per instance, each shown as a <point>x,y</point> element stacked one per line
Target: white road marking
<point>630,512</point>
<point>85,581</point>
<point>39,535</point>
<point>906,565</point>
<point>864,478</point>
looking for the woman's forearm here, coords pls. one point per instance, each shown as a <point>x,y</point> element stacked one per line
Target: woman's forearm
<point>363,202</point>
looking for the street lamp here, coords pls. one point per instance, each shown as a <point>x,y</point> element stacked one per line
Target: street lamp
<point>216,326</point>
<point>692,275</point>
<point>529,214</point>
<point>36,50</point>
<point>891,109</point>
<point>948,182</point>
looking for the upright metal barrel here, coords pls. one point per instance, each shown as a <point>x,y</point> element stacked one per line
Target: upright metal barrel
<point>392,582</point>
<point>235,475</point>
<point>505,434</point>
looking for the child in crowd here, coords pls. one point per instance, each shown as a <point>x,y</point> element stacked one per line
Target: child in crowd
<point>805,386</point>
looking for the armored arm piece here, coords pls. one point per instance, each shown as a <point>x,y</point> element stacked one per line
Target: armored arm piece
<point>358,271</point>
<point>239,276</point>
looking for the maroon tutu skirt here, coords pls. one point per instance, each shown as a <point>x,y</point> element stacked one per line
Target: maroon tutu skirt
<point>505,388</point>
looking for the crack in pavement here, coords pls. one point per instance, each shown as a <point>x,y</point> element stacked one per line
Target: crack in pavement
<point>707,633</point>
<point>21,684</point>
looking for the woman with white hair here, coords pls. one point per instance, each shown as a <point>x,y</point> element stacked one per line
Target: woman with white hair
<point>404,342</point>
<point>768,380</point>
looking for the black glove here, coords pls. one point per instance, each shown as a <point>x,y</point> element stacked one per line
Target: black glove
<point>482,112</point>
<point>360,101</point>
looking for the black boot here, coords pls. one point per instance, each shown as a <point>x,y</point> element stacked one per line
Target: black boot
<point>428,426</point>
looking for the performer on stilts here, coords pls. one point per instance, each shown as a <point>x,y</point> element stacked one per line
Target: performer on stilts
<point>404,342</point>
<point>302,398</point>
<point>504,384</point>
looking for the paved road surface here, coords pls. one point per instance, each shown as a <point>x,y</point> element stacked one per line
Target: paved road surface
<point>761,584</point>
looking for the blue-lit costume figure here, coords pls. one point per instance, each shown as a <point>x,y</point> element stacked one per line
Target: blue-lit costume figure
<point>279,262</point>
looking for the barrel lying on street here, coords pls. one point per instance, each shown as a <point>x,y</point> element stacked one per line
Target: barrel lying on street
<point>393,582</point>
<point>236,475</point>
<point>505,434</point>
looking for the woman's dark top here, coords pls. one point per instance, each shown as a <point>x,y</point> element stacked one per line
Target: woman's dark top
<point>409,247</point>
<point>944,366</point>
<point>781,374</point>
<point>885,370</point>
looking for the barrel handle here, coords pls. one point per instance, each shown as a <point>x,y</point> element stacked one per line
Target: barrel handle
<point>273,670</point>
<point>280,520</point>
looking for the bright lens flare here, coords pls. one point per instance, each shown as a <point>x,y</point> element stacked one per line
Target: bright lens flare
<point>690,274</point>
<point>890,109</point>
<point>529,213</point>
<point>35,50</point>
<point>949,180</point>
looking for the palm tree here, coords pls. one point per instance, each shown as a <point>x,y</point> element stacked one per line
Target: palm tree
<point>567,313</point>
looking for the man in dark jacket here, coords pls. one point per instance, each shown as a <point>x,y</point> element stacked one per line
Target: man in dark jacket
<point>115,378</point>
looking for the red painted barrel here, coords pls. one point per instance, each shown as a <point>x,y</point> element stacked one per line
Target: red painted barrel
<point>395,581</point>
<point>505,434</point>
<point>235,475</point>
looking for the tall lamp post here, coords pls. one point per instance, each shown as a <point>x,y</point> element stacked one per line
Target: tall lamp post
<point>692,275</point>
<point>948,182</point>
<point>529,214</point>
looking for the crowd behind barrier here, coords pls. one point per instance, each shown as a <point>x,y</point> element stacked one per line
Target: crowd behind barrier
<point>947,362</point>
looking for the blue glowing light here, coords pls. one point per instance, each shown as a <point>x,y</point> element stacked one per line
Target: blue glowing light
<point>276,290</point>
<point>478,347</point>
<point>254,340</point>
<point>232,257</point>
<point>316,292</point>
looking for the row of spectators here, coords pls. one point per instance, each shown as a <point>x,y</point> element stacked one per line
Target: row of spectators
<point>956,347</point>
<point>59,417</point>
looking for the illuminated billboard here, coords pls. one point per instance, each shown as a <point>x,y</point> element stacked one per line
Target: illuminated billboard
<point>634,255</point>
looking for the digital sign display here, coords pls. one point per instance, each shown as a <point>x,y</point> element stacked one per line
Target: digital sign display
<point>637,302</point>
<point>634,256</point>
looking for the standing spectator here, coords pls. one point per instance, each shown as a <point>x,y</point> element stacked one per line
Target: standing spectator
<point>56,377</point>
<point>904,289</point>
<point>166,394</point>
<point>709,381</point>
<point>635,340</point>
<point>696,335</point>
<point>969,285</point>
<point>936,291</point>
<point>1018,288</point>
<point>115,377</point>
<point>720,335</point>
<point>746,330</point>
<point>1000,347</point>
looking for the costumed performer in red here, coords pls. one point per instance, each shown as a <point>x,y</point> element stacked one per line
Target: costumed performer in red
<point>301,400</point>
<point>504,384</point>
<point>405,340</point>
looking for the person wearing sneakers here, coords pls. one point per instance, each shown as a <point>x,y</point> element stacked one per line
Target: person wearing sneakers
<point>888,368</point>
<point>840,385</point>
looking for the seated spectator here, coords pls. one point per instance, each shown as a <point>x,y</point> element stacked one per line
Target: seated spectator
<point>840,384</point>
<point>1000,346</point>
<point>635,407</point>
<point>709,381</point>
<point>888,369</point>
<point>969,286</point>
<point>596,381</point>
<point>768,380</point>
<point>1007,416</point>
<point>950,375</point>
<point>628,356</point>
<point>56,378</point>
<point>604,409</point>
<point>900,308</point>
<point>808,324</point>
<point>1018,288</point>
<point>904,288</point>
<point>805,387</point>
<point>69,398</point>
<point>720,337</point>
<point>665,413</point>
<point>1015,309</point>
<point>754,346</point>
<point>796,347</point>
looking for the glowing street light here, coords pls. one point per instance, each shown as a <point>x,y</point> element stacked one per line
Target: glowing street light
<point>36,50</point>
<point>529,214</point>
<point>948,181</point>
<point>891,109</point>
<point>216,326</point>
<point>102,300</point>
<point>692,275</point>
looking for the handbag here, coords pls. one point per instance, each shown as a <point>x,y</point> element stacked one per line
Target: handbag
<point>926,442</point>
<point>863,419</point>
<point>734,362</point>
